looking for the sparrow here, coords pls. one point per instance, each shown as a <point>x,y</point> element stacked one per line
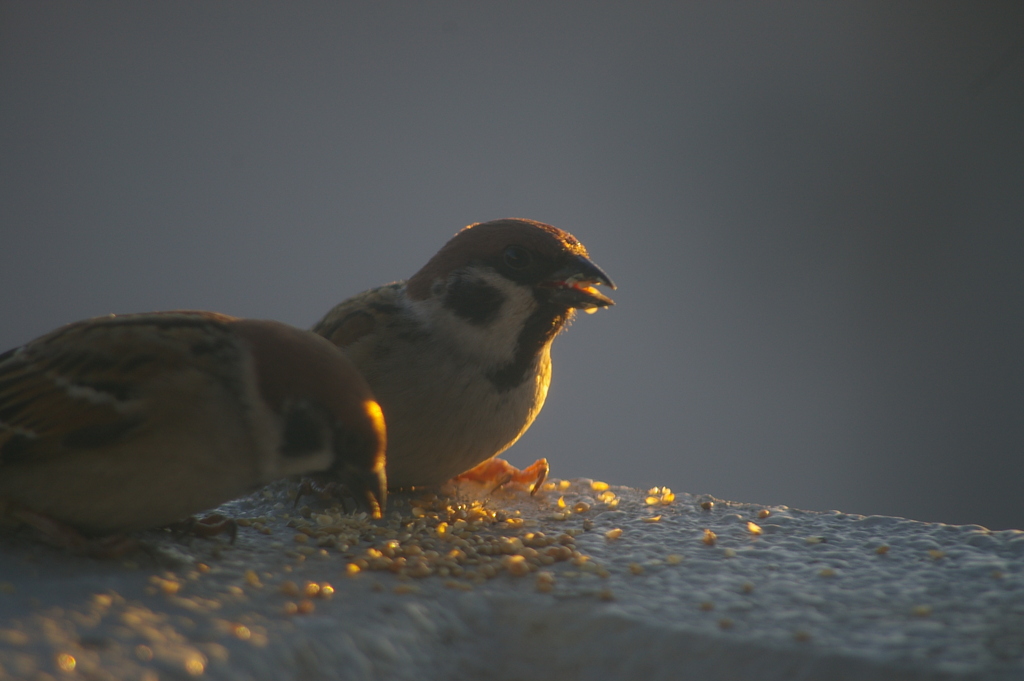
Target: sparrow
<point>128,422</point>
<point>459,355</point>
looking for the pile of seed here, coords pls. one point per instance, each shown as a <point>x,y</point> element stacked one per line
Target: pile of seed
<point>465,542</point>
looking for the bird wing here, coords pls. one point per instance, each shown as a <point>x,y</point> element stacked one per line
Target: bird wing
<point>85,385</point>
<point>360,315</point>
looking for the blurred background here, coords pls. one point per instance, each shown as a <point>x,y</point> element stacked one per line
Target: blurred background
<point>814,211</point>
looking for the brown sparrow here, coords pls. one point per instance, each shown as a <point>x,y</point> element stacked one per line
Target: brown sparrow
<point>459,355</point>
<point>127,422</point>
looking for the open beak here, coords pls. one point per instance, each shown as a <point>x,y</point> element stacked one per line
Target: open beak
<point>574,285</point>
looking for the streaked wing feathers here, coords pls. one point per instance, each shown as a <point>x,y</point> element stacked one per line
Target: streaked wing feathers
<point>359,315</point>
<point>85,385</point>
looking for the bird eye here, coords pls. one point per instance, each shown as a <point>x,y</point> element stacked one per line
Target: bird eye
<point>517,258</point>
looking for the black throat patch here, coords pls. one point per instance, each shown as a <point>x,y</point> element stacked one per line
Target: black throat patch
<point>540,329</point>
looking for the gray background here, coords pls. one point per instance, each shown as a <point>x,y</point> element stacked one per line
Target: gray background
<point>813,211</point>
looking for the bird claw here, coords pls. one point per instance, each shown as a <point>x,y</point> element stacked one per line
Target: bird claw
<point>325,491</point>
<point>499,473</point>
<point>207,526</point>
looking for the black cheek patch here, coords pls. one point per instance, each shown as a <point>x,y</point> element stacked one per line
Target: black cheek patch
<point>473,300</point>
<point>305,430</point>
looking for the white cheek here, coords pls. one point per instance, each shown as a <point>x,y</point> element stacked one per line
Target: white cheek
<point>494,343</point>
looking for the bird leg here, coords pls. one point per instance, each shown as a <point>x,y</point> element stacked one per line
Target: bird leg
<point>500,473</point>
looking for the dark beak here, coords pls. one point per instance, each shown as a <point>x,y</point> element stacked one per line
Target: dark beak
<point>368,488</point>
<point>574,285</point>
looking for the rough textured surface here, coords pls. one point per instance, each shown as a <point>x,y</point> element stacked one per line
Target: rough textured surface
<point>812,596</point>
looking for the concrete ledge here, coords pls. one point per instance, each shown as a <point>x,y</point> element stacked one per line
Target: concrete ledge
<point>796,595</point>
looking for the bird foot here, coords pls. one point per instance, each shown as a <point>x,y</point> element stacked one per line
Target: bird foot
<point>329,491</point>
<point>64,536</point>
<point>325,491</point>
<point>501,473</point>
<point>207,526</point>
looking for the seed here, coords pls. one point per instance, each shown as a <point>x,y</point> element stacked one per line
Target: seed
<point>936,554</point>
<point>707,505</point>
<point>636,568</point>
<point>516,565</point>
<point>612,535</point>
<point>290,589</point>
<point>754,529</point>
<point>882,550</point>
<point>195,665</point>
<point>652,500</point>
<point>763,513</point>
<point>652,519</point>
<point>709,537</point>
<point>826,572</point>
<point>581,507</point>
<point>598,486</point>
<point>66,662</point>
